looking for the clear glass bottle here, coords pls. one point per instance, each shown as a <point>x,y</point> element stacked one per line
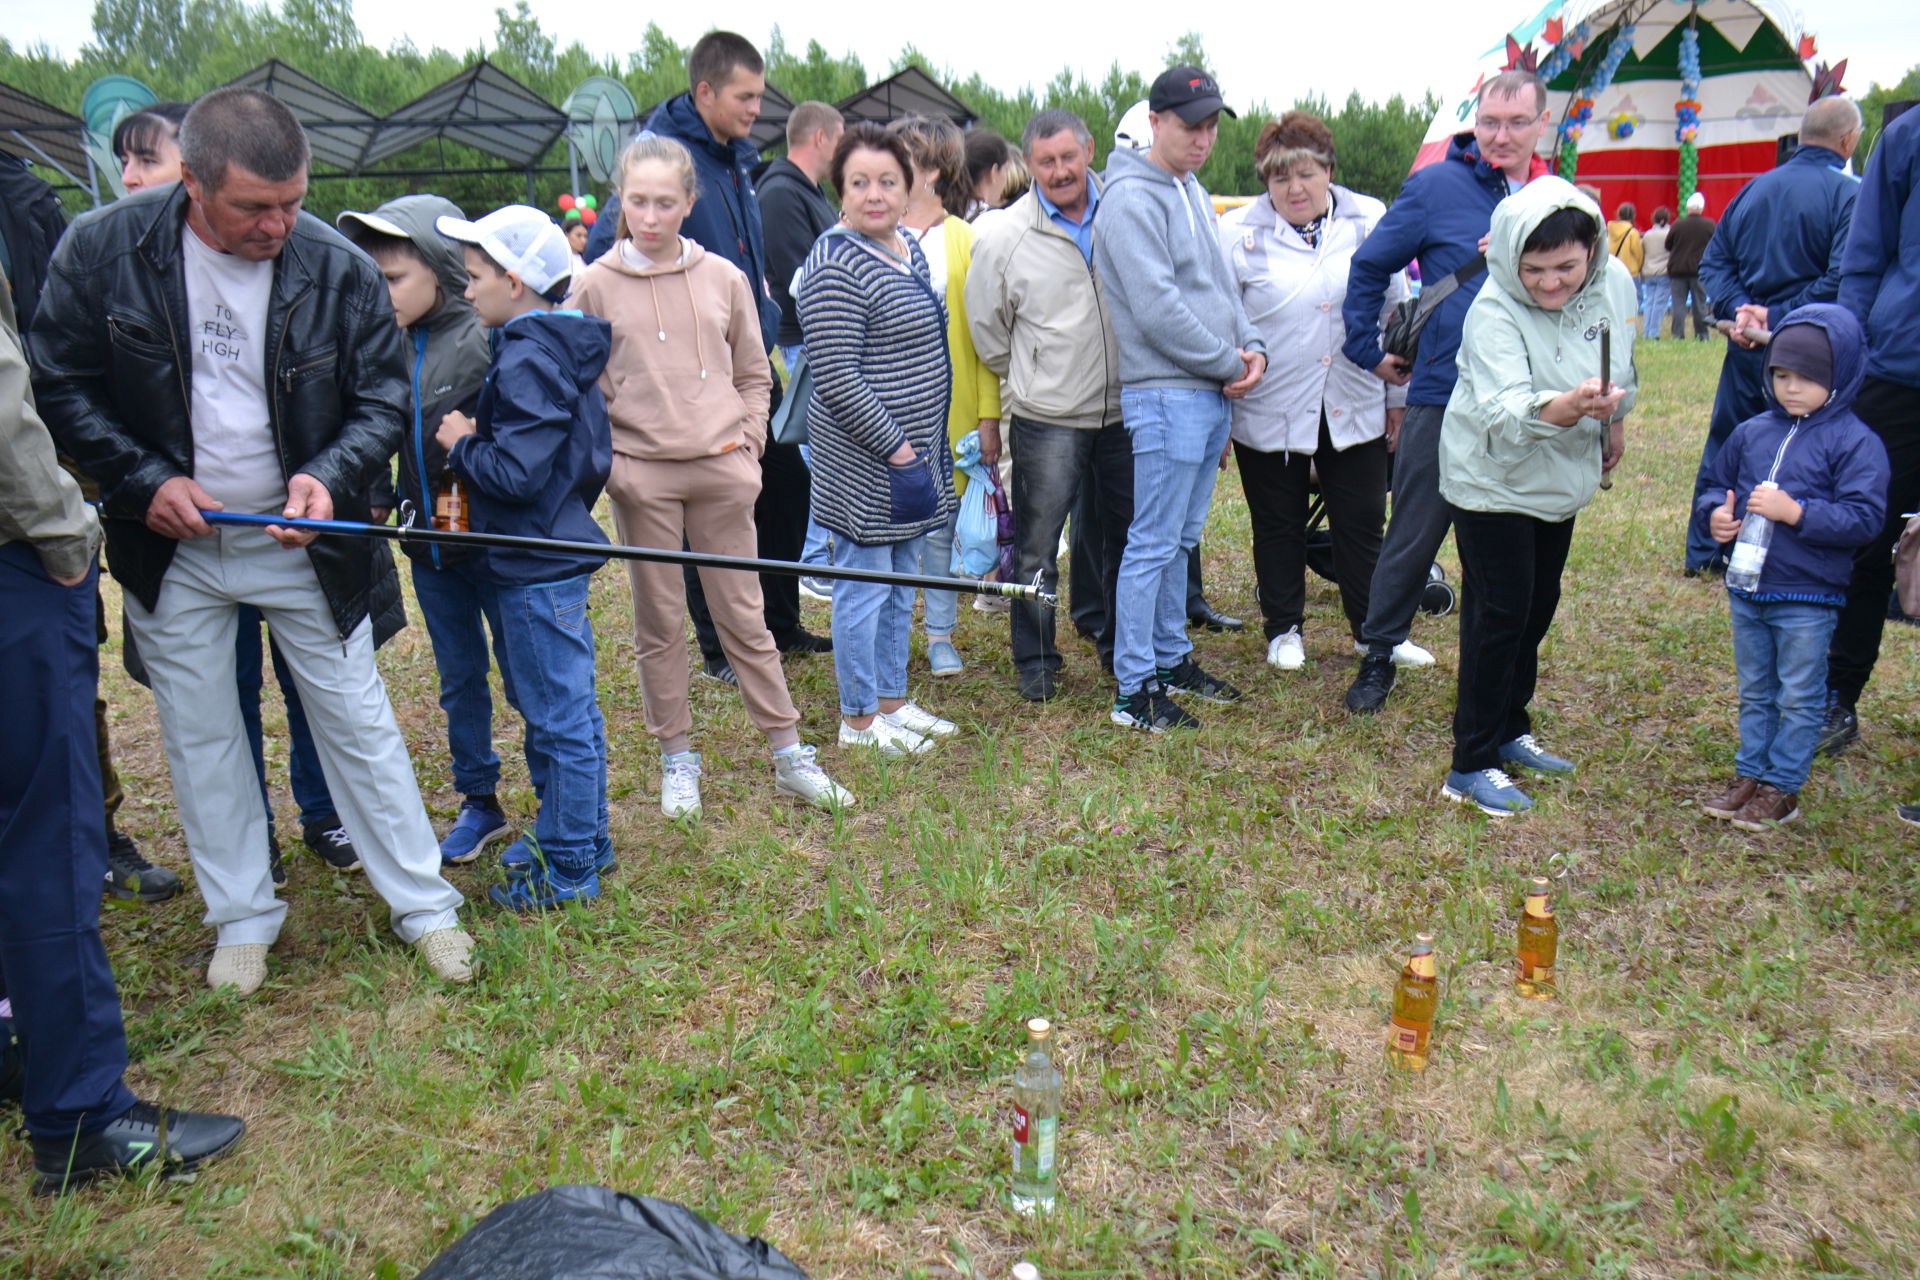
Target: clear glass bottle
<point>1414,997</point>
<point>1749,554</point>
<point>450,513</point>
<point>1025,1271</point>
<point>1537,944</point>
<point>1036,1123</point>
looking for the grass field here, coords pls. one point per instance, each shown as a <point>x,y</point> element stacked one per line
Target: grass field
<point>804,1027</point>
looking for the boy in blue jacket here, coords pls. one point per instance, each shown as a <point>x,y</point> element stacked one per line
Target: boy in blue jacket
<point>1815,470</point>
<point>534,458</point>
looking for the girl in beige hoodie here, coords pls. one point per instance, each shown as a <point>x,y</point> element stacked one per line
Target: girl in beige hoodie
<point>687,388</point>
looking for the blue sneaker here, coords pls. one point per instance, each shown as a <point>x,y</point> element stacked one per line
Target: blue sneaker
<point>520,858</point>
<point>1491,789</point>
<point>943,659</point>
<point>545,891</point>
<point>479,825</point>
<point>1528,754</point>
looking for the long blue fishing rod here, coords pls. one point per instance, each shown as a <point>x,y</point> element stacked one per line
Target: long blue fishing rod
<point>407,533</point>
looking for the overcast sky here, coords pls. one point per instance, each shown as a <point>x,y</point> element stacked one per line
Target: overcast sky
<point>1270,51</point>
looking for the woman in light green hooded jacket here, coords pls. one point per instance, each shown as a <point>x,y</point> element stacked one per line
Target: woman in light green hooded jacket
<point>1533,425</point>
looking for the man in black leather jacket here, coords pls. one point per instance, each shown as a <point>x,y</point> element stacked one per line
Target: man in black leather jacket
<point>203,346</point>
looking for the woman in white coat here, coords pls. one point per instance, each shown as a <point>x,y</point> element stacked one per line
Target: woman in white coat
<point>1314,411</point>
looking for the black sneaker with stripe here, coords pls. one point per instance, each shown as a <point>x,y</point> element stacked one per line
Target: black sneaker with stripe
<point>333,845</point>
<point>1189,677</point>
<point>1150,708</point>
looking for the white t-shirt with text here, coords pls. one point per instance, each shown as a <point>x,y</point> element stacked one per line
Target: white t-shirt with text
<point>234,456</point>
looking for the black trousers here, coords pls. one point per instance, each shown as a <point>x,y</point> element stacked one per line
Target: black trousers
<point>780,518</point>
<point>1511,565</point>
<point>1893,411</point>
<point>1354,484</point>
<point>1057,470</point>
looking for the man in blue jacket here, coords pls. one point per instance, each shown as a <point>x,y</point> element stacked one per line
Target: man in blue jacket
<point>1880,284</point>
<point>1440,220</point>
<point>713,119</point>
<point>1777,247</point>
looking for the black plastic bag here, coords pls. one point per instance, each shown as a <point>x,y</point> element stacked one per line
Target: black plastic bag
<point>591,1233</point>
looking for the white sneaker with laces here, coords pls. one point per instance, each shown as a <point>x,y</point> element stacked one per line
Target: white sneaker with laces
<point>1287,651</point>
<point>798,773</point>
<point>917,719</point>
<point>886,737</point>
<point>680,785</point>
<point>1405,654</point>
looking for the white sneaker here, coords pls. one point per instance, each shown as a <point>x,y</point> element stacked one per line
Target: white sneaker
<point>798,773</point>
<point>242,966</point>
<point>1405,654</point>
<point>680,785</point>
<point>886,737</point>
<point>918,719</point>
<point>1286,651</point>
<point>991,604</point>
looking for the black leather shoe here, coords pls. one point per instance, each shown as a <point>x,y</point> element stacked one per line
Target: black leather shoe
<point>1037,684</point>
<point>175,1141</point>
<point>803,641</point>
<point>1372,685</point>
<point>1211,619</point>
<point>276,864</point>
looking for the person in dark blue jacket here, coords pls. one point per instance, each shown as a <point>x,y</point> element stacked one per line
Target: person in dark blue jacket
<point>535,457</point>
<point>1880,285</point>
<point>1820,475</point>
<point>1438,220</point>
<point>726,77</point>
<point>1777,248</point>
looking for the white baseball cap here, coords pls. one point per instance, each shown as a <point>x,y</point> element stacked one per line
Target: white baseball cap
<point>521,239</point>
<point>1135,130</point>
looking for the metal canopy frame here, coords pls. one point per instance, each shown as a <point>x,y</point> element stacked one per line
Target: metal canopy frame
<point>482,107</point>
<point>908,92</point>
<point>339,130</point>
<point>39,131</point>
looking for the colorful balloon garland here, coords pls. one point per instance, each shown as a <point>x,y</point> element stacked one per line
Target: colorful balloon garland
<point>587,206</point>
<point>1687,110</point>
<point>1581,114</point>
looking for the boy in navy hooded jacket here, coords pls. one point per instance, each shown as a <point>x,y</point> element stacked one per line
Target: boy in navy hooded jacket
<point>1815,470</point>
<point>535,457</point>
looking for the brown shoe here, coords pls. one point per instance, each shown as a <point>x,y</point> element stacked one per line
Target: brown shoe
<point>1730,801</point>
<point>1769,808</point>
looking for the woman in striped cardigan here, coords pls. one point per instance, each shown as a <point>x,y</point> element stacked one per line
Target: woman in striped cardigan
<point>877,425</point>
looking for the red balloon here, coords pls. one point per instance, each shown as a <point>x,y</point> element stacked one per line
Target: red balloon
<point>566,202</point>
<point>588,216</point>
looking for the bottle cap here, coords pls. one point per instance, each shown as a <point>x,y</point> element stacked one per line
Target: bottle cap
<point>1423,944</point>
<point>1540,885</point>
<point>1038,1028</point>
<point>1025,1271</point>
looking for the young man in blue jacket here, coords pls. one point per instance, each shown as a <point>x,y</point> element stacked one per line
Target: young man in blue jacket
<point>1880,285</point>
<point>535,457</point>
<point>1776,249</point>
<point>1439,220</point>
<point>1814,469</point>
<point>726,77</point>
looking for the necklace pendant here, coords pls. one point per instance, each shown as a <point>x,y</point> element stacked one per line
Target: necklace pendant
<point>663,335</point>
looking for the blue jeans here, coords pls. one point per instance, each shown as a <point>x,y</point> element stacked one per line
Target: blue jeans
<point>814,551</point>
<point>547,641</point>
<point>1178,434</point>
<point>936,560</point>
<point>1780,658</point>
<point>459,614</point>
<point>1655,297</point>
<point>871,624</point>
<point>304,776</point>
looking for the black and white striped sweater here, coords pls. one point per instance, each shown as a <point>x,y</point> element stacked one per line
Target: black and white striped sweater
<point>877,345</point>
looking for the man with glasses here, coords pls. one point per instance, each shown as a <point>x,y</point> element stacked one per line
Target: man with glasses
<point>1440,220</point>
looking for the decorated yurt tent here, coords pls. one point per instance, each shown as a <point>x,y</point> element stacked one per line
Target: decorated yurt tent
<point>1653,98</point>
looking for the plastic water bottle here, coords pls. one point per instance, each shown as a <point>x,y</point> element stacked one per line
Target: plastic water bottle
<point>1750,548</point>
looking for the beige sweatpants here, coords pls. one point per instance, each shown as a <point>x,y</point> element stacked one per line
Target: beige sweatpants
<point>709,501</point>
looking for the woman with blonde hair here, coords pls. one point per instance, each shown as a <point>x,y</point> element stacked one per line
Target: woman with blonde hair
<point>936,218</point>
<point>687,386</point>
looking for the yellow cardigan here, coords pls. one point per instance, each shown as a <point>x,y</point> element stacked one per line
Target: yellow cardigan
<point>976,388</point>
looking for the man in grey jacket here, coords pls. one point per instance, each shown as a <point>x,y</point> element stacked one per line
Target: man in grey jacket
<point>1185,349</point>
<point>1038,320</point>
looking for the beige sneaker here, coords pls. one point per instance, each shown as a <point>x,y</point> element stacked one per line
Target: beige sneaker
<point>242,966</point>
<point>449,953</point>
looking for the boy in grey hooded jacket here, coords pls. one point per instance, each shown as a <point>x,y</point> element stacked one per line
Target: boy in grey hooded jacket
<point>1185,348</point>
